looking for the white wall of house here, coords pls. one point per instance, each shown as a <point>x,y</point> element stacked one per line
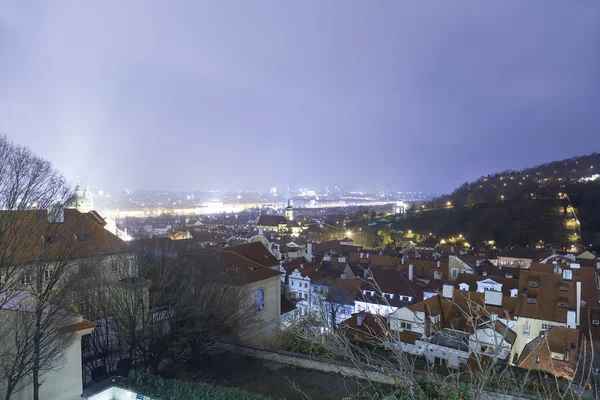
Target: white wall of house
<point>488,284</point>
<point>66,383</point>
<point>456,266</point>
<point>452,357</point>
<point>489,342</point>
<point>298,285</point>
<point>405,319</point>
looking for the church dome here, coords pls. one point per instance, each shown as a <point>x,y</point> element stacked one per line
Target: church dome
<point>81,200</point>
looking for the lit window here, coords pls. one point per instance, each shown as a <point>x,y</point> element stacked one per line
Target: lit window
<point>259,300</point>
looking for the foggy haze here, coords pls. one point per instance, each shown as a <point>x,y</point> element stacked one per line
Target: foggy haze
<point>249,95</point>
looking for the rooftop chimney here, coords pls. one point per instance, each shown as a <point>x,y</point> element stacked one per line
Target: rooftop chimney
<point>309,250</point>
<point>493,298</point>
<point>362,255</point>
<point>360,318</point>
<point>578,294</point>
<point>367,255</point>
<point>411,272</point>
<point>403,258</point>
<point>448,291</point>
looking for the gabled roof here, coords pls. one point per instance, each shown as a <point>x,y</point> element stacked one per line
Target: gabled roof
<point>335,246</point>
<point>79,235</point>
<point>372,328</point>
<point>256,252</point>
<point>271,220</point>
<point>547,290</point>
<point>524,252</point>
<point>560,341</point>
<point>243,269</point>
<point>390,281</point>
<point>508,334</point>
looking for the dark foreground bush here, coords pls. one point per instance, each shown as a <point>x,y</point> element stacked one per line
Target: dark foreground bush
<point>168,389</point>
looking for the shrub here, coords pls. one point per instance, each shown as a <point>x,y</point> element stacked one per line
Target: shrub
<point>168,389</point>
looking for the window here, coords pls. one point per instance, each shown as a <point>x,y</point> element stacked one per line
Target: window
<point>81,237</point>
<point>405,325</point>
<point>25,279</point>
<point>435,319</point>
<point>292,283</point>
<point>533,284</point>
<point>454,273</point>
<point>595,322</point>
<point>509,276</point>
<point>114,266</point>
<point>48,275</point>
<point>50,240</point>
<point>532,300</point>
<point>562,304</point>
<point>306,285</point>
<point>259,300</point>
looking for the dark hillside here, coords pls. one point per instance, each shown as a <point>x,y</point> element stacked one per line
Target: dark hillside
<point>546,180</point>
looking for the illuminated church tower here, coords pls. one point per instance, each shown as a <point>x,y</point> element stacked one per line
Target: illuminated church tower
<point>289,211</point>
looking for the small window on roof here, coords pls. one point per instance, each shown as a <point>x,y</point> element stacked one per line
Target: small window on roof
<point>533,284</point>
<point>595,322</point>
<point>532,300</point>
<point>562,304</point>
<point>563,288</point>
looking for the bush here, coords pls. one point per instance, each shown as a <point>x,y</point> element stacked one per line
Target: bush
<point>167,389</point>
<point>289,340</point>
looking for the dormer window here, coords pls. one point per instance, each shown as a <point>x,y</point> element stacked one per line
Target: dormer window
<point>533,284</point>
<point>532,300</point>
<point>509,275</point>
<point>562,304</point>
<point>563,288</point>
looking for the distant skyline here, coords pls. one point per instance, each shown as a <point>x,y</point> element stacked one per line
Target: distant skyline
<point>198,95</point>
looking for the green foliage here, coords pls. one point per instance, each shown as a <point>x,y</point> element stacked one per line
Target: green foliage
<point>167,389</point>
<point>289,340</point>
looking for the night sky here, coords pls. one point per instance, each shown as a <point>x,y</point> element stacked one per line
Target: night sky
<point>408,95</point>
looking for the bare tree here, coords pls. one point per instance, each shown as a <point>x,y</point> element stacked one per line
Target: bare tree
<point>35,252</point>
<point>177,307</point>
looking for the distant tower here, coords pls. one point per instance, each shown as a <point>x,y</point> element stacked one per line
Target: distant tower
<point>289,211</point>
<point>81,200</point>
